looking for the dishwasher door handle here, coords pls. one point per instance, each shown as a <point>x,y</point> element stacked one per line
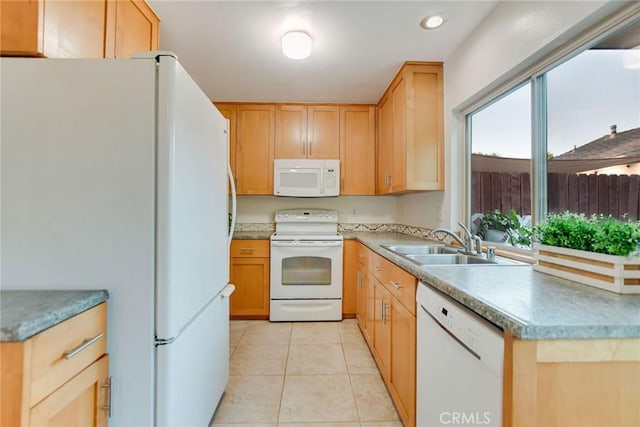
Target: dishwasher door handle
<point>455,338</point>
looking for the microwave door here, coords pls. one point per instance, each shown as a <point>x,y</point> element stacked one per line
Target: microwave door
<point>299,182</point>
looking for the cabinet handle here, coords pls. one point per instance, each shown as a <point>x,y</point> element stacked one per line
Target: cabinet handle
<point>86,343</point>
<point>386,315</point>
<point>378,268</point>
<point>359,280</point>
<point>107,406</point>
<point>304,147</point>
<point>310,146</point>
<point>395,284</point>
<point>382,312</point>
<point>247,250</point>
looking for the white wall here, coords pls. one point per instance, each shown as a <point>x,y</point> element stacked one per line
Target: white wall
<point>351,209</point>
<point>513,37</point>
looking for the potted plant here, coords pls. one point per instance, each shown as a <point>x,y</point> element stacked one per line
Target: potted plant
<point>504,228</point>
<point>599,250</point>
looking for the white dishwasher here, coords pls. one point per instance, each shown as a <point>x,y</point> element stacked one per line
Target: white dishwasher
<point>459,364</point>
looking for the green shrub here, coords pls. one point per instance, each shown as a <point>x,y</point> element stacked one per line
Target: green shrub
<point>598,233</point>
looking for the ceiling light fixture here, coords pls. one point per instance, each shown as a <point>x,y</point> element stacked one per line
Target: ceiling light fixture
<point>432,22</point>
<point>296,45</point>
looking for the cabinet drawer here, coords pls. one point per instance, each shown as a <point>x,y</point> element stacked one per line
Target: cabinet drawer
<point>401,284</point>
<point>363,255</point>
<point>250,248</point>
<point>62,351</point>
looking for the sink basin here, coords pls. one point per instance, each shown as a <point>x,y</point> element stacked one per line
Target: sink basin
<point>447,259</point>
<point>441,254</point>
<point>427,249</point>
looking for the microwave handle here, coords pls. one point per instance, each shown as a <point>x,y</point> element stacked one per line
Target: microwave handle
<point>322,172</point>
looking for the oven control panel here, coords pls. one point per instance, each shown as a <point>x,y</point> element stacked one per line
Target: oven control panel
<point>307,215</point>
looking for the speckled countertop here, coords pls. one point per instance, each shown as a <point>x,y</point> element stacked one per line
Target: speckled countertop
<point>252,235</point>
<point>24,314</point>
<point>526,303</point>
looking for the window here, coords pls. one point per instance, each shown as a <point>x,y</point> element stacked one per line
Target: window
<point>582,145</point>
<point>500,166</point>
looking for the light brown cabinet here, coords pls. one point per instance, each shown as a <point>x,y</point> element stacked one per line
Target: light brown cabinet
<point>402,372</point>
<point>410,155</point>
<point>250,274</point>
<point>382,328</point>
<point>307,132</point>
<point>349,279</point>
<point>254,148</point>
<point>136,28</point>
<point>60,376</point>
<point>357,150</point>
<point>387,319</point>
<point>77,29</point>
<point>229,113</point>
<point>576,382</point>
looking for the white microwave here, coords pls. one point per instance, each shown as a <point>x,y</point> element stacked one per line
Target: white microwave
<point>306,177</point>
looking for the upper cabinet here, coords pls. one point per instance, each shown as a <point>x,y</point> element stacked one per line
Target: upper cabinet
<point>411,131</point>
<point>357,150</point>
<point>254,148</point>
<point>77,29</point>
<point>136,28</point>
<point>229,113</point>
<point>307,132</point>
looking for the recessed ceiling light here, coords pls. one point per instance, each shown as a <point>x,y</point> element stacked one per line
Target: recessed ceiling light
<point>296,45</point>
<point>432,22</point>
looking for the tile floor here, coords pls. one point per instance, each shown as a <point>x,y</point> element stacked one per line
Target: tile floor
<point>303,374</point>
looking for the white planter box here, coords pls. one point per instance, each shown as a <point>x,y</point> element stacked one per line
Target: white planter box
<point>610,272</point>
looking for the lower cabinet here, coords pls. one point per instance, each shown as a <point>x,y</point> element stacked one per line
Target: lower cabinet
<point>386,316</point>
<point>350,279</point>
<point>382,329</point>
<point>249,273</point>
<point>59,376</point>
<point>402,376</point>
<point>78,402</point>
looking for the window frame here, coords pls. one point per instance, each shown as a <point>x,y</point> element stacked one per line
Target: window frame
<point>536,75</point>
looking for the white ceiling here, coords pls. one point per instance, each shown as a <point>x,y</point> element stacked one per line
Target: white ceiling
<point>232,48</point>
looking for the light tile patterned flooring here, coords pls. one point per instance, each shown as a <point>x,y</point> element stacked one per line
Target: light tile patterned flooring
<point>303,374</point>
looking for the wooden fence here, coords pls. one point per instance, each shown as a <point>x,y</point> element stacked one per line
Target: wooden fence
<point>602,194</point>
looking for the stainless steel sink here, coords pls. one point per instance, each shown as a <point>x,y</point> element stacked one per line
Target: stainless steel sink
<point>441,254</point>
<point>448,259</point>
<point>423,249</point>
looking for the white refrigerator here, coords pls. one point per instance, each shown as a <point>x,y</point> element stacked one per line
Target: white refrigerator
<point>114,176</point>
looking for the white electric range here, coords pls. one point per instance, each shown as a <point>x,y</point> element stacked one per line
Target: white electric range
<point>306,266</point>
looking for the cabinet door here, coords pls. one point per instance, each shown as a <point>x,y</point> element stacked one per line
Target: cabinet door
<point>350,280</point>
<point>291,132</point>
<point>20,30</point>
<point>254,149</point>
<point>385,134</point>
<point>251,278</point>
<point>425,128</point>
<point>402,380</point>
<point>323,132</point>
<point>79,402</point>
<point>365,303</point>
<point>74,29</point>
<point>399,142</point>
<point>229,113</point>
<point>136,28</point>
<point>357,150</point>
<point>382,328</point>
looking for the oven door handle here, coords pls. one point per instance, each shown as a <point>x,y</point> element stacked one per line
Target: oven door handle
<point>306,244</point>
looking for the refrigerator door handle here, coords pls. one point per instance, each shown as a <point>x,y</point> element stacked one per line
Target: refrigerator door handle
<point>227,290</point>
<point>232,184</point>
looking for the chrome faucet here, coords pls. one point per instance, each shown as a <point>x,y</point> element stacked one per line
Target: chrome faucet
<point>472,244</point>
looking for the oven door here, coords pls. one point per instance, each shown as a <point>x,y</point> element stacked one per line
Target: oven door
<point>306,269</point>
